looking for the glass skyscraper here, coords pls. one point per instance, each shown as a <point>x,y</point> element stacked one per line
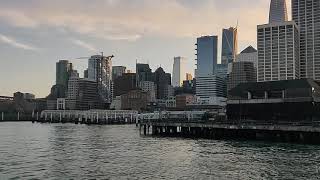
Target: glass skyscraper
<point>207,48</point>
<point>229,45</point>
<point>278,11</point>
<point>306,13</point>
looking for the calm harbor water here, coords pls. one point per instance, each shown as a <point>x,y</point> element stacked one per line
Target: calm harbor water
<point>68,151</point>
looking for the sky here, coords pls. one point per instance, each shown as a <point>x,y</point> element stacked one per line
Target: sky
<point>35,34</point>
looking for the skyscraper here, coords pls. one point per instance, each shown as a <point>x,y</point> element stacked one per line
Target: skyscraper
<point>178,71</point>
<point>63,67</point>
<point>207,48</point>
<point>278,51</point>
<point>117,71</point>
<point>249,54</point>
<point>278,11</point>
<point>162,81</point>
<point>100,71</point>
<point>229,45</point>
<point>306,13</point>
<point>143,73</point>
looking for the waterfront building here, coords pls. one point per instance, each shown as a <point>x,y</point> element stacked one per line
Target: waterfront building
<point>63,67</point>
<point>229,45</point>
<point>278,11</point>
<point>306,14</point>
<point>274,101</point>
<point>162,81</point>
<point>249,54</point>
<point>100,71</point>
<point>88,98</point>
<point>150,88</point>
<point>134,100</point>
<point>117,71</point>
<point>242,72</point>
<point>124,84</point>
<point>188,77</point>
<point>278,51</point>
<point>211,89</point>
<point>207,55</point>
<point>178,71</point>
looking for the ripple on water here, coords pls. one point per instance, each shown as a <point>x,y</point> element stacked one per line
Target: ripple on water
<point>68,151</point>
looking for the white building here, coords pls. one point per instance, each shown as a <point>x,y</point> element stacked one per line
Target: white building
<point>211,89</point>
<point>179,71</point>
<point>278,51</point>
<point>149,87</point>
<point>306,14</point>
<point>100,70</point>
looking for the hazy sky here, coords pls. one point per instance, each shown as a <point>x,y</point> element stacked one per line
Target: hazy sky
<point>34,34</point>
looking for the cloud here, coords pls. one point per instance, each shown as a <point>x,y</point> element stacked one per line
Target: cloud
<point>132,19</point>
<point>83,45</point>
<point>15,43</point>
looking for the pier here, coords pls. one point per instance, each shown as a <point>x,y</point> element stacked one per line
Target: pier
<point>295,132</point>
<point>89,117</point>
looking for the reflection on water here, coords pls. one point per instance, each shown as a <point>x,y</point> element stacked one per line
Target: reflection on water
<point>68,151</point>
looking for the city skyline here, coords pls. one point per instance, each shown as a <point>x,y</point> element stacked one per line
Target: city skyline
<point>31,42</point>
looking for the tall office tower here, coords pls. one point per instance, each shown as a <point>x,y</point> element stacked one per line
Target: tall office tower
<point>278,51</point>
<point>242,72</point>
<point>306,13</point>
<point>100,71</point>
<point>63,68</point>
<point>162,81</point>
<point>249,54</point>
<point>143,73</point>
<point>150,88</point>
<point>124,84</point>
<point>178,71</point>
<point>117,71</point>
<point>229,45</point>
<point>278,11</point>
<point>211,90</point>
<point>207,55</point>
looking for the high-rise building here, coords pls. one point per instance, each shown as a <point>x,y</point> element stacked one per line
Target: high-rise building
<point>207,55</point>
<point>124,84</point>
<point>162,81</point>
<point>211,89</point>
<point>143,73</point>
<point>63,67</point>
<point>278,11</point>
<point>249,54</point>
<point>188,77</point>
<point>229,45</point>
<point>178,71</point>
<point>278,51</point>
<point>242,72</point>
<point>117,71</point>
<point>306,13</point>
<point>100,71</point>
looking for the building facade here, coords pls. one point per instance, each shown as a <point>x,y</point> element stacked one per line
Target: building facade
<point>150,88</point>
<point>249,54</point>
<point>278,51</point>
<point>100,71</point>
<point>124,84</point>
<point>306,13</point>
<point>63,67</point>
<point>134,100</point>
<point>207,55</point>
<point>162,81</point>
<point>143,73</point>
<point>278,11</point>
<point>117,71</point>
<point>229,45</point>
<point>210,87</point>
<point>242,72</point>
<point>178,71</point>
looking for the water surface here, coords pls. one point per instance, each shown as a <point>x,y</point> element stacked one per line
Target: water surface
<point>68,151</point>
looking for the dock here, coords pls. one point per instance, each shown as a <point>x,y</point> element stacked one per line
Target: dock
<point>293,132</point>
